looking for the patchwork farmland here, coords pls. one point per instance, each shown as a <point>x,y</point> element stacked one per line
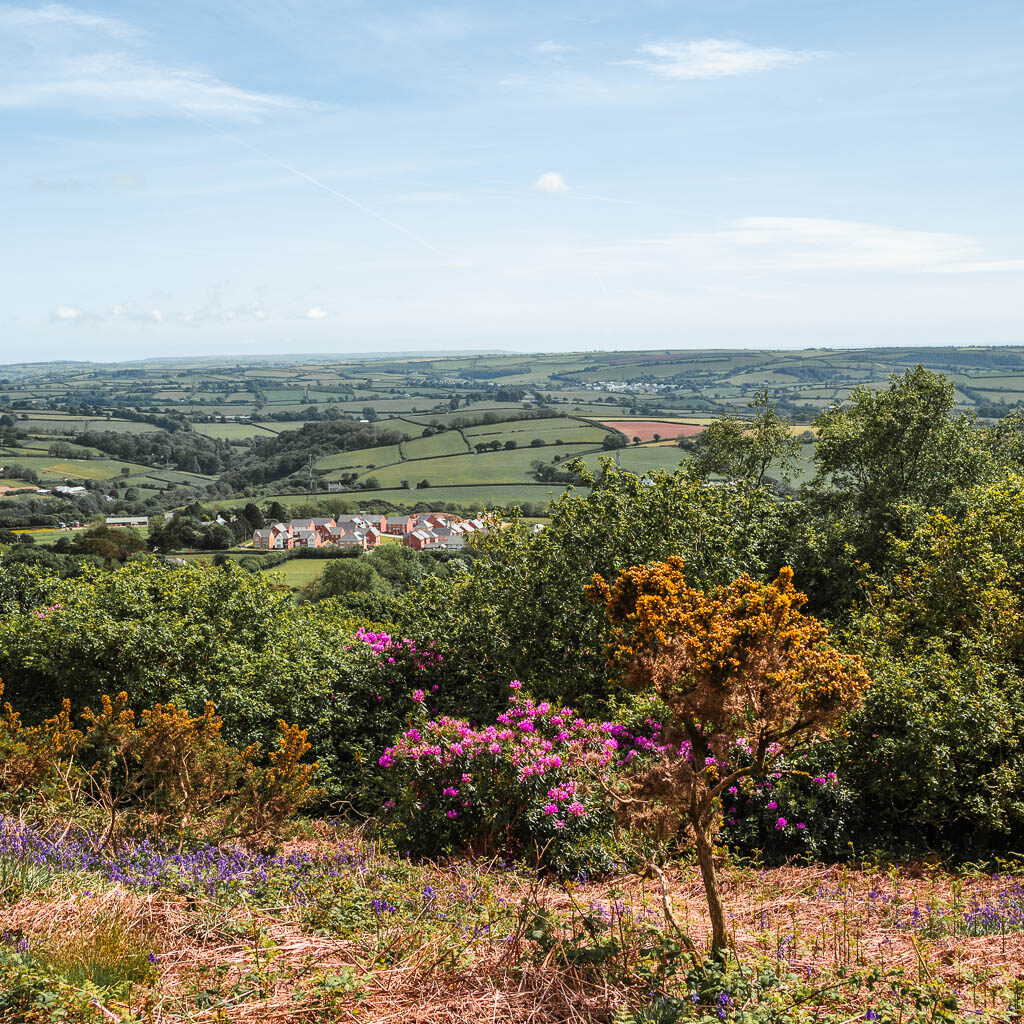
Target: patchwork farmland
<point>492,429</point>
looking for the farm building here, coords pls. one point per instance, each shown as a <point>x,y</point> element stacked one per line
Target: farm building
<point>128,521</point>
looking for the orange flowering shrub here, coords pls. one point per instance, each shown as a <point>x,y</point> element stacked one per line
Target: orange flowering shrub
<point>35,760</point>
<point>273,793</point>
<point>741,660</point>
<point>746,677</point>
<point>162,767</point>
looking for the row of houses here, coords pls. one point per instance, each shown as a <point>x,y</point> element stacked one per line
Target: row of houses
<point>440,531</point>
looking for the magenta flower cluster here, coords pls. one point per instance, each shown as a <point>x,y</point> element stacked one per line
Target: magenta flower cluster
<point>411,664</point>
<point>531,742</point>
<point>391,649</point>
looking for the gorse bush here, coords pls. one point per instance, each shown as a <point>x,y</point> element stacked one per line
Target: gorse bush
<point>746,678</point>
<point>163,768</point>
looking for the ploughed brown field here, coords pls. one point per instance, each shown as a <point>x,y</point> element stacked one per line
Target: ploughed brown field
<point>646,429</point>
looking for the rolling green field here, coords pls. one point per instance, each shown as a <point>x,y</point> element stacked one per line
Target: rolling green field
<point>52,469</point>
<point>48,403</point>
<point>68,426</point>
<point>297,572</point>
<point>451,442</point>
<point>233,431</point>
<point>359,459</point>
<point>641,458</point>
<point>489,467</point>
<point>569,430</point>
<point>484,495</point>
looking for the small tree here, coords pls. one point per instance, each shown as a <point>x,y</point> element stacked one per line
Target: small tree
<point>746,678</point>
<point>746,448</point>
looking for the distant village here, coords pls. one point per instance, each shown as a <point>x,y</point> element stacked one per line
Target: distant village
<point>438,531</point>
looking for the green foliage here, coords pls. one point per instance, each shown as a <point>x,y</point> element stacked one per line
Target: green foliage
<point>746,449</point>
<point>196,634</point>
<point>884,460</point>
<point>520,612</point>
<point>936,756</point>
<point>762,993</point>
<point>111,545</point>
<point>33,992</point>
<point>343,577</point>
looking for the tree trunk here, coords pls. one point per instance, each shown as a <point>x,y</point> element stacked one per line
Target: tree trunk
<point>706,859</point>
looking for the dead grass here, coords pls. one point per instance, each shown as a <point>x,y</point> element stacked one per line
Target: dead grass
<point>266,966</point>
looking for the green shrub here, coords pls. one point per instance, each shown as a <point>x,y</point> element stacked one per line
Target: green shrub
<point>936,756</point>
<point>197,634</point>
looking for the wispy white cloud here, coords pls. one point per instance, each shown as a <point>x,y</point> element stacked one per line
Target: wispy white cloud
<point>316,313</point>
<point>212,311</point>
<point>715,58</point>
<point>49,16</point>
<point>59,58</point>
<point>551,181</point>
<point>814,243</point>
<point>799,244</point>
<point>549,48</point>
<point>67,314</point>
<point>57,185</point>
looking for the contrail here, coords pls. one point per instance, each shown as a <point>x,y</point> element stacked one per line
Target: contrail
<point>321,185</point>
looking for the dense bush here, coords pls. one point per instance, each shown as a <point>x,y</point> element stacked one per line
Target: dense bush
<point>196,634</point>
<point>530,785</point>
<point>936,757</point>
<point>520,610</point>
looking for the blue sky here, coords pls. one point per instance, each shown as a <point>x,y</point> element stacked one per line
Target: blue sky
<point>248,177</point>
